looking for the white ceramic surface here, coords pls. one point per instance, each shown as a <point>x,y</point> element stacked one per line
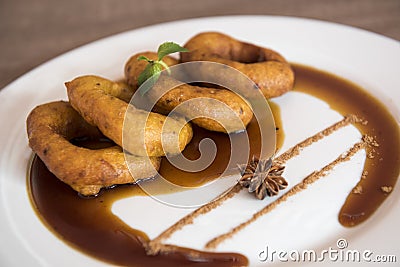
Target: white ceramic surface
<point>308,219</point>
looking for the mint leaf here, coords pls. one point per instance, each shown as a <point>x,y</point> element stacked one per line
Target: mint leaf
<point>154,67</point>
<point>144,58</point>
<point>152,73</point>
<point>146,73</point>
<point>169,48</point>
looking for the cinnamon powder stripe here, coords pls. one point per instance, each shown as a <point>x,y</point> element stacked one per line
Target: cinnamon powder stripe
<point>295,150</point>
<point>155,246</point>
<point>311,178</point>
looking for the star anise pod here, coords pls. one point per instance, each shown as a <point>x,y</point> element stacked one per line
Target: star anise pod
<point>263,177</point>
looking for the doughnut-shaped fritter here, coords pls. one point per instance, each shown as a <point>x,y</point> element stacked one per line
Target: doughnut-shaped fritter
<point>98,101</point>
<point>52,125</point>
<point>267,68</point>
<point>213,109</point>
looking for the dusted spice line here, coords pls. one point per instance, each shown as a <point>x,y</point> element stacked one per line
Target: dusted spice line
<point>295,150</point>
<point>155,246</point>
<point>311,178</point>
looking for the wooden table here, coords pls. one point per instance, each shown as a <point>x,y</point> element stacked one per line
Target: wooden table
<point>32,32</point>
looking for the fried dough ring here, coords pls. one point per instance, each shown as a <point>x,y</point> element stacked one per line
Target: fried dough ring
<point>209,115</point>
<point>98,101</point>
<point>51,126</point>
<point>267,68</point>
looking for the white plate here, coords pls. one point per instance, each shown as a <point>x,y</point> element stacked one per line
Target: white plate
<point>365,58</point>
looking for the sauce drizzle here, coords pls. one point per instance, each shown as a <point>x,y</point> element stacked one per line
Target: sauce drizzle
<point>383,169</point>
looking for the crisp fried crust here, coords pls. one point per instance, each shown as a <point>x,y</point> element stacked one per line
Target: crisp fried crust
<point>97,101</point>
<point>52,125</point>
<point>267,68</point>
<point>213,109</point>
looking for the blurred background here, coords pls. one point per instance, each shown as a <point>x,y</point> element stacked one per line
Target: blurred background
<point>34,31</point>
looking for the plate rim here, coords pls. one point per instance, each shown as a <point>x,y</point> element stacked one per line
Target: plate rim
<point>6,91</point>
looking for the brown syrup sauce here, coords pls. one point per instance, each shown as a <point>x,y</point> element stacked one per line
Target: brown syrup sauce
<point>384,168</point>
<point>91,227</point>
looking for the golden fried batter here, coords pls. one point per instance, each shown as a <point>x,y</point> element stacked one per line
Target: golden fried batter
<point>98,101</point>
<point>232,115</point>
<point>51,126</point>
<point>267,68</point>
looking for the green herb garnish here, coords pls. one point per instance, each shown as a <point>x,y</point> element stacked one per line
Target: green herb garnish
<point>154,67</point>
